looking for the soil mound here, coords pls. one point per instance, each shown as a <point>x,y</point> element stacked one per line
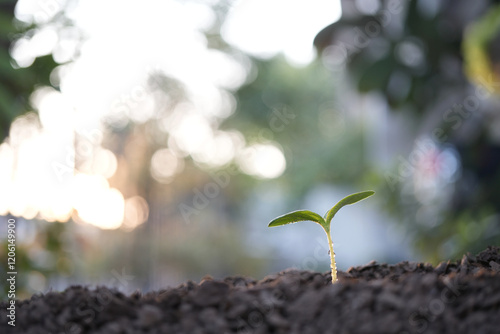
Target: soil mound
<point>453,297</point>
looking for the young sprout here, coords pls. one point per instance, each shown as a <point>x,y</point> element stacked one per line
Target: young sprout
<point>325,222</point>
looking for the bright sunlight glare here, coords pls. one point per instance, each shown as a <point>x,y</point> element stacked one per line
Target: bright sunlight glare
<point>262,160</point>
<point>97,203</point>
<point>110,77</point>
<point>264,28</point>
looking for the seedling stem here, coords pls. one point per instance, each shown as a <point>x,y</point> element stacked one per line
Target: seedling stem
<point>333,264</point>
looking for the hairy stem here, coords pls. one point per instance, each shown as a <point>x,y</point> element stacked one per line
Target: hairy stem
<point>333,265</point>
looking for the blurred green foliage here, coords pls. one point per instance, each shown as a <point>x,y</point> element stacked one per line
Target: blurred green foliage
<point>411,54</point>
<point>45,255</point>
<point>17,84</point>
<point>41,254</point>
<point>298,108</point>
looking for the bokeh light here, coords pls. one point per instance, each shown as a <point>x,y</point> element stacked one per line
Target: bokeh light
<point>97,203</point>
<point>262,160</point>
<point>136,212</point>
<point>165,164</point>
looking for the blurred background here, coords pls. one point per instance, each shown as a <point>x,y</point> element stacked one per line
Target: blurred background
<point>148,143</point>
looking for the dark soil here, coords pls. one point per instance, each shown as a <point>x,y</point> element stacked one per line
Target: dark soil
<point>453,297</point>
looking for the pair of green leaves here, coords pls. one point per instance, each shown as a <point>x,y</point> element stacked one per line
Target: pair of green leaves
<point>325,222</point>
<point>306,215</point>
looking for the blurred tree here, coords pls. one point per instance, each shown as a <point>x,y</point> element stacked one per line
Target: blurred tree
<point>17,83</point>
<point>410,52</point>
<point>298,108</point>
<point>45,255</point>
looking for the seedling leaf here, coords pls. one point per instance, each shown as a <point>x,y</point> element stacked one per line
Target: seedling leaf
<point>351,199</point>
<point>297,216</point>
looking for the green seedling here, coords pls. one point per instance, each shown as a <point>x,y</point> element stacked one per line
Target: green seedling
<point>325,222</point>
